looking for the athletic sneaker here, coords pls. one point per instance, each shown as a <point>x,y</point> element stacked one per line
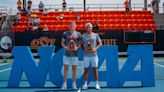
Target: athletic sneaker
<point>64,87</point>
<point>85,86</point>
<point>74,87</point>
<point>97,86</point>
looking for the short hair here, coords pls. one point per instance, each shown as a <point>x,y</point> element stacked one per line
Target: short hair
<point>72,23</point>
<point>88,24</point>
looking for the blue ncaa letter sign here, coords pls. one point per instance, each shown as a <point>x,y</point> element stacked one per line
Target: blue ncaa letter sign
<point>51,64</point>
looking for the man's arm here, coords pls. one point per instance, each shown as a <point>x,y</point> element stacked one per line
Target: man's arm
<point>99,43</point>
<point>79,41</point>
<point>64,45</point>
<point>96,48</point>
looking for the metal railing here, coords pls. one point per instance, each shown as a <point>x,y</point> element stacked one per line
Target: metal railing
<point>96,7</point>
<point>92,7</point>
<point>4,9</point>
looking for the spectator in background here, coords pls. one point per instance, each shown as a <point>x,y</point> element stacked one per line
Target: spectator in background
<point>4,25</point>
<point>35,27</point>
<point>37,20</point>
<point>28,12</point>
<point>127,6</point>
<point>29,4</point>
<point>64,4</point>
<point>45,28</point>
<point>96,26</point>
<point>19,5</point>
<point>41,6</point>
<point>45,12</point>
<point>36,23</point>
<point>24,12</point>
<point>78,16</point>
<point>60,17</point>
<point>18,16</point>
<point>154,6</point>
<point>28,28</point>
<point>31,20</point>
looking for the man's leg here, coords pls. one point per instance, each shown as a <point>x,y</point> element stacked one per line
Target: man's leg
<point>94,63</point>
<point>95,72</point>
<point>74,68</point>
<point>66,66</point>
<point>65,72</point>
<point>64,86</point>
<point>86,63</point>
<point>86,74</point>
<point>85,86</point>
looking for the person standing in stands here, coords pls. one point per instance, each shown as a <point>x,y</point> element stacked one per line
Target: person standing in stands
<point>41,6</point>
<point>29,4</point>
<point>154,6</point>
<point>45,12</point>
<point>91,42</point>
<point>64,4</point>
<point>127,6</point>
<point>19,4</point>
<point>71,42</point>
<point>96,26</point>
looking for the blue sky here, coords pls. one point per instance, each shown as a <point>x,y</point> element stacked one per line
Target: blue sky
<point>12,3</point>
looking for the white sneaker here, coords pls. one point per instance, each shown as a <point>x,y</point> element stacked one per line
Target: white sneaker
<point>64,87</point>
<point>74,87</point>
<point>97,86</point>
<point>85,86</point>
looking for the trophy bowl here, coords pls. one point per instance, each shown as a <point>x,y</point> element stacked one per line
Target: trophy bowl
<point>71,44</point>
<point>89,46</point>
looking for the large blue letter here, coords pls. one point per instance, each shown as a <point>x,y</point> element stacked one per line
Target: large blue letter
<point>146,74</point>
<point>24,61</point>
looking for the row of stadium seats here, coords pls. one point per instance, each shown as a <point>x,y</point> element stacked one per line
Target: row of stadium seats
<point>111,21</point>
<point>94,16</point>
<point>130,27</point>
<point>135,20</point>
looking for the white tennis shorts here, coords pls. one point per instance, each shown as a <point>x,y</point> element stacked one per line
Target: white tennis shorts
<point>70,60</point>
<point>90,60</point>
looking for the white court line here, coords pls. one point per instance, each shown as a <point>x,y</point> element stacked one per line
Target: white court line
<point>5,70</point>
<point>81,67</point>
<point>4,64</point>
<point>159,65</point>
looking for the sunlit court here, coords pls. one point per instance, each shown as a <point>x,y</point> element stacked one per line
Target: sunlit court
<point>81,45</point>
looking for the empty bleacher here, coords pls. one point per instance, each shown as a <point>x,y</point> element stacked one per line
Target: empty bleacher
<point>108,20</point>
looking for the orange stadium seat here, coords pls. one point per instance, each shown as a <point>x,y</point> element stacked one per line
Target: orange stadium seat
<point>108,20</point>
